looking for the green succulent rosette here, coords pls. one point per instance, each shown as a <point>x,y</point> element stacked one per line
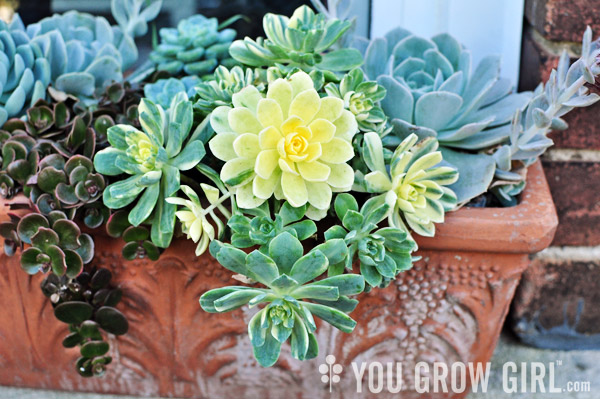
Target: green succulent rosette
<point>153,158</point>
<point>290,301</point>
<point>195,47</point>
<point>413,184</point>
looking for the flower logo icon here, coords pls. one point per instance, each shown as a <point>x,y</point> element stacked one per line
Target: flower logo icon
<point>330,371</point>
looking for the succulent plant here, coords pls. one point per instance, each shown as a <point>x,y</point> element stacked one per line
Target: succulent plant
<point>567,88</point>
<point>138,244</point>
<point>195,47</point>
<point>87,303</point>
<point>414,185</point>
<point>286,273</point>
<point>261,229</point>
<point>194,217</point>
<point>27,72</point>
<point>118,104</point>
<point>56,244</point>
<point>154,158</point>
<point>85,52</point>
<point>133,16</point>
<point>304,41</point>
<point>219,91</point>
<point>19,160</point>
<point>163,91</point>
<point>431,91</point>
<point>362,98</point>
<point>293,144</point>
<point>383,253</point>
<point>8,231</point>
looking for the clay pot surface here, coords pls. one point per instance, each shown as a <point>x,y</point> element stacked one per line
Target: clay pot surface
<point>449,308</point>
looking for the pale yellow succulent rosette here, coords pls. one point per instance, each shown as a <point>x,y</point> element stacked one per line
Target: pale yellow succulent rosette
<point>292,144</point>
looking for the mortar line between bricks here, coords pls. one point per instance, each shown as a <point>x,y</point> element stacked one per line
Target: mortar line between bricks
<point>566,155</point>
<point>572,254</point>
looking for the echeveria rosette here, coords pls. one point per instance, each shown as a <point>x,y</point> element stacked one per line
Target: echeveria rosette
<point>432,91</point>
<point>219,91</point>
<point>56,244</point>
<point>262,228</point>
<point>194,217</point>
<point>163,91</point>
<point>291,143</point>
<point>303,41</point>
<point>382,253</point>
<point>413,184</point>
<point>362,98</point>
<point>288,314</point>
<point>195,47</point>
<point>154,158</point>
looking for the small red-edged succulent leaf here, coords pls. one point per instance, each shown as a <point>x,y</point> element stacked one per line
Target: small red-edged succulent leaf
<point>117,223</point>
<point>136,234</point>
<point>62,116</point>
<point>69,233</point>
<point>20,170</point>
<point>86,248</point>
<point>49,178</point>
<point>74,263</point>
<point>130,250</point>
<point>57,260</point>
<point>77,161</point>
<point>30,260</point>
<point>44,238</point>
<point>66,194</point>
<point>29,225</point>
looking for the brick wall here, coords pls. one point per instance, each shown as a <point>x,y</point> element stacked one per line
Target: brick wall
<point>559,292</point>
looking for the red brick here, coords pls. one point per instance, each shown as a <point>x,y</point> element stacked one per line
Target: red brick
<point>536,64</point>
<point>563,20</point>
<point>574,187</point>
<point>557,295</point>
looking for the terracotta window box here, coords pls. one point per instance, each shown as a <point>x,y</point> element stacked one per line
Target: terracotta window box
<point>450,307</point>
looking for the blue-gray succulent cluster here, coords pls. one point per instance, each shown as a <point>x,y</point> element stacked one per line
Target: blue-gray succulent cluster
<point>196,47</point>
<point>477,117</point>
<point>78,53</point>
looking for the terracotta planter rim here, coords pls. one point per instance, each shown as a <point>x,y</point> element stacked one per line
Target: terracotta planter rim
<point>526,228</point>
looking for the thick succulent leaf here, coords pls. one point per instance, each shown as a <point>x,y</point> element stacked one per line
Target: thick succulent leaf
<point>263,269</point>
<point>285,250</point>
<point>145,205</point>
<point>112,320</point>
<point>309,267</point>
<point>347,284</point>
<point>343,203</point>
<point>398,102</point>
<point>104,161</point>
<point>334,317</point>
<point>267,354</point>
<point>235,299</point>
<point>335,250</point>
<point>191,155</point>
<point>208,299</point>
<point>376,58</point>
<point>475,172</point>
<point>434,110</point>
<point>29,226</point>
